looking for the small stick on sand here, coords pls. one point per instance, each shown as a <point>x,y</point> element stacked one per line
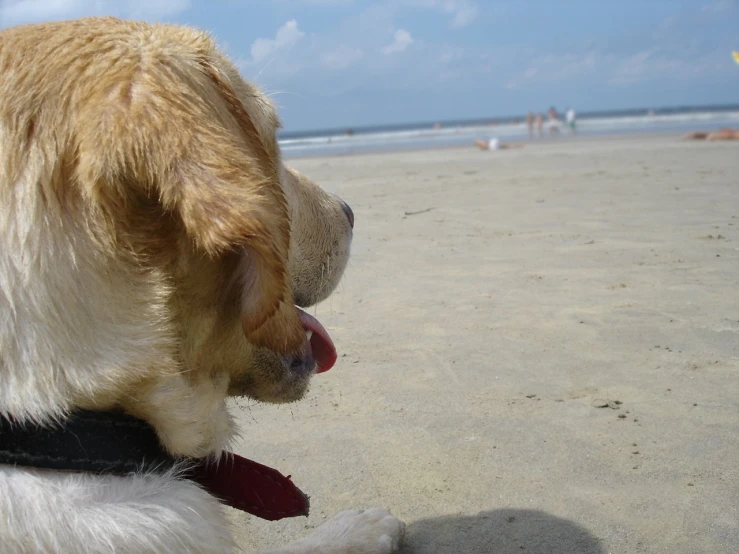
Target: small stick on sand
<point>418,212</point>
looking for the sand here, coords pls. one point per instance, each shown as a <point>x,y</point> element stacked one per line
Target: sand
<point>539,352</point>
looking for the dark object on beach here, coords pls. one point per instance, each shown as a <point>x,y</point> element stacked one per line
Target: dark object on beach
<point>418,212</point>
<point>695,135</point>
<point>721,134</point>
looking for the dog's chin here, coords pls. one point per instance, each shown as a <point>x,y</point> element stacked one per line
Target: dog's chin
<point>273,378</point>
<point>280,378</point>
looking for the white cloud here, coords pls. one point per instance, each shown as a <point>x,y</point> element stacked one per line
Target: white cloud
<point>634,68</point>
<point>656,63</point>
<point>550,68</point>
<point>16,12</point>
<point>450,54</point>
<point>286,37</point>
<point>316,2</point>
<point>628,69</point>
<point>327,2</point>
<point>718,6</point>
<point>463,12</point>
<point>464,16</point>
<point>402,39</point>
<point>342,57</point>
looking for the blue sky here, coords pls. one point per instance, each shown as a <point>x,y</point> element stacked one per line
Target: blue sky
<point>342,63</point>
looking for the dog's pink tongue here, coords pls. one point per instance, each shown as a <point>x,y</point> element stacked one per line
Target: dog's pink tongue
<point>324,351</point>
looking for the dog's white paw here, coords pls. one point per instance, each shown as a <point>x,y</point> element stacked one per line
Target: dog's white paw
<point>373,531</point>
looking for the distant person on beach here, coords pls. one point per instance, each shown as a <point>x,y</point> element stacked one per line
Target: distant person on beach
<point>721,134</point>
<point>553,122</point>
<point>530,124</point>
<point>539,121</point>
<point>570,118</point>
<point>495,144</point>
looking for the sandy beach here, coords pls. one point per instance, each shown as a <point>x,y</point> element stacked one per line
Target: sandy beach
<point>539,352</point>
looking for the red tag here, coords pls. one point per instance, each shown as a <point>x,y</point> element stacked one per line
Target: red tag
<point>251,487</point>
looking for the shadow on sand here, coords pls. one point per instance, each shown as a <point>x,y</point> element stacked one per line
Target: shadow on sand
<point>500,532</point>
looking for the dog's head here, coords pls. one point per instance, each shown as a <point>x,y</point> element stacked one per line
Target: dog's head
<point>152,233</point>
<point>214,298</point>
<point>320,236</point>
<point>218,300</point>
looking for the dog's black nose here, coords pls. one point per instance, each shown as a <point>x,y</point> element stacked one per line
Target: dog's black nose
<point>349,213</point>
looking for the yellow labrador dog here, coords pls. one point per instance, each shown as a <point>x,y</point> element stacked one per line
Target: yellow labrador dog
<point>153,252</point>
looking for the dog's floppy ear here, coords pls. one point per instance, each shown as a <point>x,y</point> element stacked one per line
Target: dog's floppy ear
<point>174,128</point>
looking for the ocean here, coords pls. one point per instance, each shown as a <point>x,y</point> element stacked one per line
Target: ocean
<point>459,133</point>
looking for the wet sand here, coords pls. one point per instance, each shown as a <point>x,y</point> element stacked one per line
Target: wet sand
<point>539,352</point>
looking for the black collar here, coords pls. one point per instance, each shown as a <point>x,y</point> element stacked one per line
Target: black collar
<point>95,442</point>
<point>116,443</point>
